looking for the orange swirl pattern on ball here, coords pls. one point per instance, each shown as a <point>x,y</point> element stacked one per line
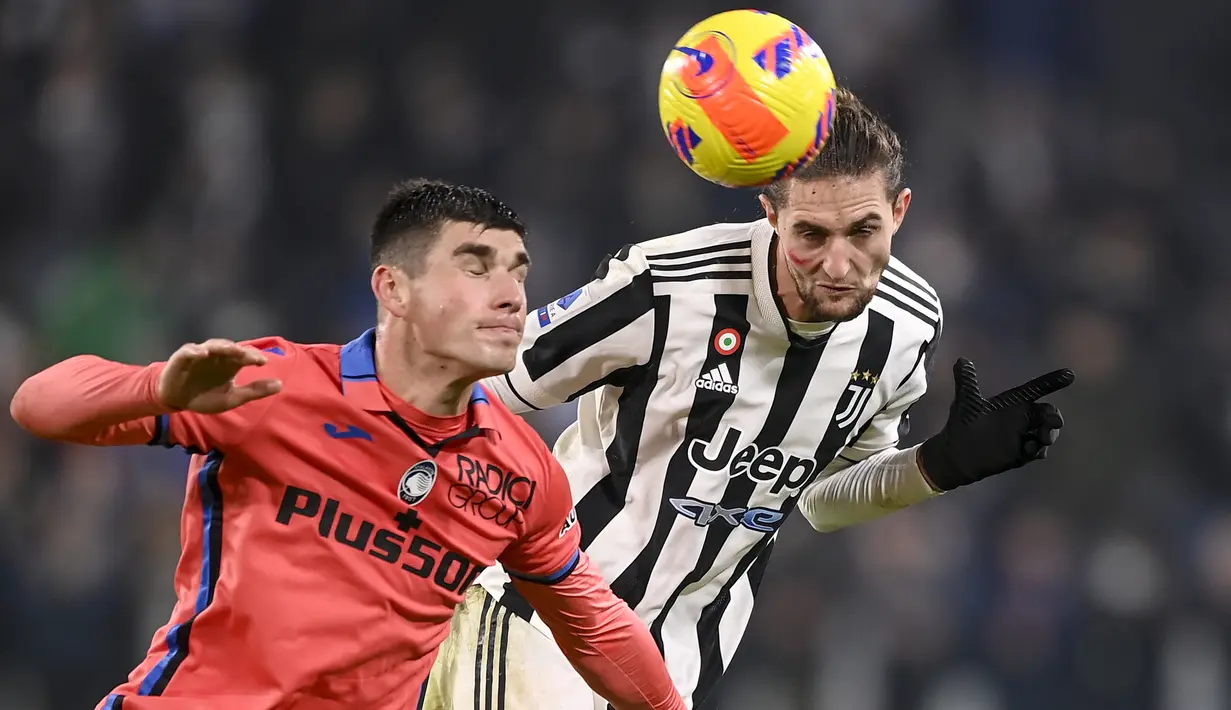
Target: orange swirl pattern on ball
<point>736,110</point>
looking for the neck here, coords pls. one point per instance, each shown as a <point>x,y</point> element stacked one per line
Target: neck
<point>432,385</point>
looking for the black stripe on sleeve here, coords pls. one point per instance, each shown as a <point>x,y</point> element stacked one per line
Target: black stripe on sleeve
<point>899,273</point>
<point>931,319</point>
<point>509,381</point>
<point>704,418</point>
<point>706,276</point>
<point>712,261</point>
<point>708,249</point>
<point>622,377</point>
<point>589,327</point>
<point>906,294</point>
<point>605,265</point>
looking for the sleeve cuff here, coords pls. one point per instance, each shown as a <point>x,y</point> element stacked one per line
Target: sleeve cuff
<point>558,576</point>
<point>162,431</point>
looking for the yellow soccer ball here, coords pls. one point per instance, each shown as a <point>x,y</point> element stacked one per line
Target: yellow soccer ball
<point>746,97</point>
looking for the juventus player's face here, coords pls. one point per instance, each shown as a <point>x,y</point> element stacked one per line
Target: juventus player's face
<point>834,236</point>
<point>468,306</point>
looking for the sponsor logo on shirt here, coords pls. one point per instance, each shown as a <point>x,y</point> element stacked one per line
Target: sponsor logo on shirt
<point>702,514</point>
<point>718,379</point>
<point>486,490</point>
<point>763,465</point>
<point>569,522</point>
<point>350,432</point>
<point>416,554</point>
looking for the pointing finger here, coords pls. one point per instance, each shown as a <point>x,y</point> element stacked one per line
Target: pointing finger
<point>1036,389</point>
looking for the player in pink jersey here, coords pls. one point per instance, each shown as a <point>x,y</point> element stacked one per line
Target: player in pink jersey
<point>343,498</point>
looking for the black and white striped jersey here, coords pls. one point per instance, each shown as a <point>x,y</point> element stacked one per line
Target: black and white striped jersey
<point>702,419</point>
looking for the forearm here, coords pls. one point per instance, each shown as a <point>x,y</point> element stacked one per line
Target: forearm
<point>880,484</point>
<point>87,399</point>
<point>604,640</point>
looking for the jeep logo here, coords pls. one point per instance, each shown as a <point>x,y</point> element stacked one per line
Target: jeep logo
<point>761,465</point>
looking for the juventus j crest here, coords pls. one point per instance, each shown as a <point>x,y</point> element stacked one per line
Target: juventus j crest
<point>857,395</point>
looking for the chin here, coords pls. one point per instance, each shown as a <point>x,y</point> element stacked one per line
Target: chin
<point>493,362</point>
<point>843,309</point>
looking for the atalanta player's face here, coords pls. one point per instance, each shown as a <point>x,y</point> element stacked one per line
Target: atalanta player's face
<point>470,299</point>
<point>834,236</point>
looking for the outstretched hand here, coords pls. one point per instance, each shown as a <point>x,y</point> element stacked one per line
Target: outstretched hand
<point>200,377</point>
<point>984,437</point>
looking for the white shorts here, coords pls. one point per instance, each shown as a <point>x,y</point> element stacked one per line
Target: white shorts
<point>494,660</point>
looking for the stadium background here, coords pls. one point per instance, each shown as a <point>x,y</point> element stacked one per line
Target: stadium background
<point>175,170</point>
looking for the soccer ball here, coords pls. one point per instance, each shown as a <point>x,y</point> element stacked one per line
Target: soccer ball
<point>746,97</point>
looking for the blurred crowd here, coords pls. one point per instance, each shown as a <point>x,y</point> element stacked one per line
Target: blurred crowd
<point>172,170</point>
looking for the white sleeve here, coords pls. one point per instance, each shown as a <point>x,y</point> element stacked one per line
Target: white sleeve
<point>871,477</point>
<point>594,336</point>
<point>856,493</point>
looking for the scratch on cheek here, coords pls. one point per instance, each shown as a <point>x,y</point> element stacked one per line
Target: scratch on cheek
<point>795,259</point>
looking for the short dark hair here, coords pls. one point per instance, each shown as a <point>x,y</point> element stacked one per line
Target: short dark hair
<point>860,144</point>
<point>415,211</point>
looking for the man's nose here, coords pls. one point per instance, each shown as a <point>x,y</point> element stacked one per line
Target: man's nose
<point>508,292</point>
<point>835,261</point>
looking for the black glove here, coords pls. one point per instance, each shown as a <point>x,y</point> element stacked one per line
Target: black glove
<point>985,437</point>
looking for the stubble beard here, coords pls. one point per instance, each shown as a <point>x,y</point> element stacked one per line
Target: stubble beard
<point>849,307</point>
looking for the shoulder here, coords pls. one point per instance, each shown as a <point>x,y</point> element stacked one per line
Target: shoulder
<point>303,362</point>
<point>733,238</point>
<point>728,240</point>
<point>716,258</point>
<point>282,356</point>
<point>907,298</point>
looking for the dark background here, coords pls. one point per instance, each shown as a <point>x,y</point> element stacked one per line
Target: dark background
<point>172,170</point>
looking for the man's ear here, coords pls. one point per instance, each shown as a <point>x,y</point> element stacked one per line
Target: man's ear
<point>900,205</point>
<point>391,286</point>
<point>770,213</point>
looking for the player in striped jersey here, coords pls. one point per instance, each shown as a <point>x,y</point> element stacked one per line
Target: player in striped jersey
<point>725,377</point>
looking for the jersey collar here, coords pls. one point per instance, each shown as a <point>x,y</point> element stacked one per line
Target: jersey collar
<point>359,382</point>
<point>763,285</point>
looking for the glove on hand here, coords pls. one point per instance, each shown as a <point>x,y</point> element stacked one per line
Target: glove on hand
<point>984,437</point>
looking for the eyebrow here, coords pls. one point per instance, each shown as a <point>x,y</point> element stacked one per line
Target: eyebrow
<point>864,221</point>
<point>487,254</point>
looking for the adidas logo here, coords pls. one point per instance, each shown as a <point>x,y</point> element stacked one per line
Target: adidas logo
<point>718,379</point>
